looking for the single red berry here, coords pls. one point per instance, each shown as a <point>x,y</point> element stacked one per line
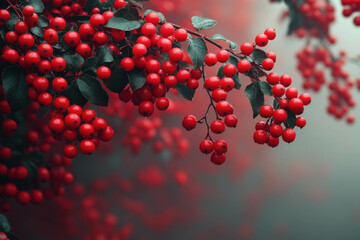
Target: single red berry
<point>164,45</point>
<point>86,31</point>
<point>272,56</point>
<point>280,115</point>
<point>229,70</point>
<point>231,120</point>
<point>267,64</point>
<point>23,197</point>
<point>283,103</point>
<point>181,35</point>
<point>270,33</point>
<point>266,111</point>
<point>189,122</point>
<point>88,115</point>
<point>26,41</point>
<point>127,64</point>
<point>272,141</point>
<point>59,84</point>
<point>162,103</point>
<point>103,72</point>
<point>210,59</point>
<point>289,135</point>
<point>32,59</point>
<point>99,124</point>
<point>72,121</point>
<point>152,17</point>
<point>243,66</point>
<point>260,136</point>
<point>148,29</point>
<point>296,106</point>
<point>56,125</point>
<point>218,159</point>
<point>70,151</point>
<point>206,146</point>
<point>291,93</point>
<point>218,95</point>
<point>285,80</point>
<point>58,23</point>
<point>107,134</point>
<point>146,108</point>
<point>305,98</point>
<point>217,126</point>
<point>86,130</point>
<point>176,55</point>
<point>139,50</point>
<point>246,48</point>
<point>222,56</point>
<point>220,146</point>
<point>261,40</point>
<point>58,64</point>
<point>183,76</point>
<point>11,56</point>
<point>97,20</point>
<point>61,104</point>
<point>21,27</point>
<point>86,147</point>
<point>119,4</point>
<point>224,108</point>
<point>276,130</point>
<point>278,90</point>
<point>300,122</point>
<point>50,36</point>
<point>273,78</point>
<point>72,38</point>
<point>167,30</point>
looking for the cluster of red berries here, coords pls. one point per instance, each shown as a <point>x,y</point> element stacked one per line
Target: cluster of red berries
<point>350,7</point>
<point>317,19</point>
<point>340,98</point>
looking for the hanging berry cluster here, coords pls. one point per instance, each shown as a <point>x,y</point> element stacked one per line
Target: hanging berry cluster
<point>350,7</point>
<point>312,19</point>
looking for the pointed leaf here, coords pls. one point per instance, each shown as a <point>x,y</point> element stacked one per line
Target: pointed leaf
<point>256,97</point>
<point>37,4</point>
<point>200,23</point>
<point>92,90</point>
<point>232,44</point>
<point>137,79</point>
<point>184,91</point>
<point>104,55</point>
<point>197,51</point>
<point>266,88</point>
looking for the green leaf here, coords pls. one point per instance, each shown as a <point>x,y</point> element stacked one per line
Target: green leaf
<point>15,88</point>
<point>73,62</point>
<point>256,97</point>
<point>259,55</point>
<point>37,31</point>
<point>220,74</point>
<point>129,13</point>
<point>35,157</point>
<point>4,224</point>
<point>92,90</point>
<point>184,91</point>
<point>275,104</point>
<point>104,55</point>
<point>296,20</point>
<point>90,66</point>
<point>200,23</point>
<point>37,4</point>
<point>161,16</point>
<point>123,24</point>
<point>73,93</point>
<point>32,169</point>
<point>90,4</point>
<point>137,79</point>
<point>13,19</point>
<point>117,81</point>
<point>43,21</point>
<point>197,51</point>
<point>232,44</point>
<point>291,119</point>
<point>265,88</point>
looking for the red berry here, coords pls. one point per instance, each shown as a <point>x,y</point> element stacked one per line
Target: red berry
<point>23,197</point>
<point>189,122</point>
<point>218,95</point>
<point>291,93</point>
<point>296,106</point>
<point>278,90</point>
<point>229,70</point>
<point>231,120</point>
<point>58,64</point>
<point>289,135</point>
<point>146,108</point>
<point>88,115</point>
<point>261,40</point>
<point>86,31</point>
<point>300,122</point>
<point>97,20</point>
<point>183,76</point>
<point>32,59</point>
<point>217,126</point>
<point>227,84</point>
<point>56,125</point>
<point>212,83</point>
<point>220,146</point>
<point>181,35</point>
<point>272,141</point>
<point>162,103</point>
<point>58,23</point>
<point>50,36</point>
<point>119,4</point>
<point>167,30</point>
<point>27,41</point>
<point>218,159</point>
<point>210,59</point>
<point>270,33</point>
<point>164,45</point>
<point>280,115</point>
<point>86,147</point>
<point>103,72</point>
<point>152,17</point>
<point>176,55</point>
<point>222,56</point>
<point>285,80</point>
<point>72,121</point>
<point>72,38</point>
<point>61,104</point>
<point>70,151</point>
<point>305,98</point>
<point>127,64</point>
<point>273,78</point>
<point>107,134</point>
<point>206,146</point>
<point>266,111</point>
<point>99,124</point>
<point>243,66</point>
<point>59,84</point>
<point>271,55</point>
<point>86,130</point>
<point>268,64</point>
<point>21,27</point>
<point>260,136</point>
<point>276,130</point>
<point>246,48</point>
<point>224,108</point>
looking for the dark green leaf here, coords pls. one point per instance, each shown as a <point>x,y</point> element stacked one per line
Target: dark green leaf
<point>104,55</point>
<point>32,168</point>
<point>232,44</point>
<point>36,157</point>
<point>275,104</point>
<point>197,51</point>
<point>291,119</point>
<point>258,55</point>
<point>265,88</point>
<point>73,62</point>
<point>90,4</point>
<point>137,79</point>
<point>81,18</point>
<point>11,236</point>
<point>296,20</point>
<point>73,93</point>
<point>4,224</point>
<point>117,81</point>
<point>43,21</point>
<point>90,66</point>
<point>13,19</point>
<point>37,4</point>
<point>15,88</point>
<point>128,13</point>
<point>123,24</point>
<point>37,31</point>
<point>200,23</point>
<point>256,97</point>
<point>184,91</point>
<point>92,90</point>
<point>161,16</point>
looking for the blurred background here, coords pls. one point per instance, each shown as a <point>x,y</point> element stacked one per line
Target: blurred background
<point>304,190</point>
